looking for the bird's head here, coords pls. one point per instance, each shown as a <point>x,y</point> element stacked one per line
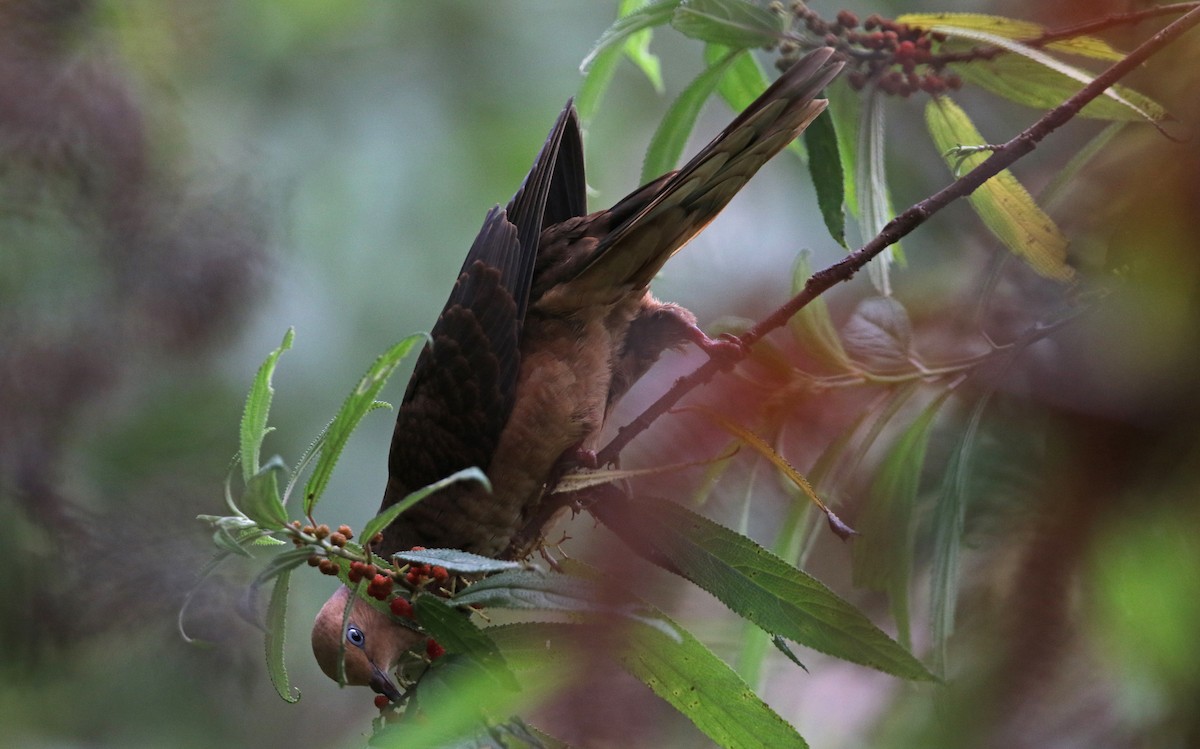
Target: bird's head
<point>374,643</point>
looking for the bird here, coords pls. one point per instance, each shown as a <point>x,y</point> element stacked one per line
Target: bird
<point>548,325</point>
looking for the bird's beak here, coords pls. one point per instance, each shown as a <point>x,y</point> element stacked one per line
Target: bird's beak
<point>383,685</point>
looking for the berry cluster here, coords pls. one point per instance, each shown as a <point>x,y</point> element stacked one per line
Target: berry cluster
<point>897,59</point>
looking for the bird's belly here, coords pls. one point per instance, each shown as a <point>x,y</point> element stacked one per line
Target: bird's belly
<point>562,393</point>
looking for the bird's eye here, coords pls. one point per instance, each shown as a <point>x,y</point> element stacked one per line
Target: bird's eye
<point>355,637</point>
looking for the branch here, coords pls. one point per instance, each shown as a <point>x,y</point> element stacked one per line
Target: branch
<point>903,224</point>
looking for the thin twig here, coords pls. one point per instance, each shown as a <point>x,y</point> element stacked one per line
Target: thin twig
<point>904,224</point>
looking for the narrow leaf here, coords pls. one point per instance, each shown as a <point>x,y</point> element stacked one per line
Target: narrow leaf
<point>678,668</point>
<point>825,165</point>
<point>874,200</point>
<point>648,16</point>
<point>261,501</point>
<point>1052,84</point>
<point>754,583</point>
<point>703,688</point>
<point>1010,28</point>
<point>276,625</point>
<point>671,136</point>
<point>454,631</point>
<point>385,518</point>
<point>733,23</point>
<point>1005,206</point>
<point>461,562</point>
<point>360,401</point>
<point>883,556</point>
<point>637,48</point>
<point>258,408</point>
<point>845,109</point>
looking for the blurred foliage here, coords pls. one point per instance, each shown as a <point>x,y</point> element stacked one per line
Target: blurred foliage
<point>179,181</point>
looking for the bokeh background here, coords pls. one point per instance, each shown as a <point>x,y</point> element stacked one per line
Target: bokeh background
<point>180,182</point>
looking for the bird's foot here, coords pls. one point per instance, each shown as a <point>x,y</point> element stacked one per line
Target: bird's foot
<point>726,348</point>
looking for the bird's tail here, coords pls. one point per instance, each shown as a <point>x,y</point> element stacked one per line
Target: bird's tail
<point>666,213</point>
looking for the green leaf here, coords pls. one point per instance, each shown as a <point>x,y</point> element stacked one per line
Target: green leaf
<point>1005,206</point>
<point>261,501</point>
<point>628,37</point>
<point>676,667</point>
<point>461,562</point>
<point>360,401</point>
<point>703,688</point>
<point>1030,76</point>
<point>671,136</point>
<point>385,518</point>
<point>454,631</point>
<point>1009,28</point>
<point>282,562</point>
<point>948,520</point>
<point>457,704</point>
<point>646,17</point>
<point>733,23</point>
<point>812,327</point>
<point>276,624</point>
<point>845,109</point>
<point>258,408</point>
<point>825,165</point>
<point>883,555</point>
<point>637,48</point>
<point>874,200</point>
<point>755,583</point>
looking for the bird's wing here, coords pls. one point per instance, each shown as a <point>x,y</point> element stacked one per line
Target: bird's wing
<point>653,222</point>
<point>463,386</point>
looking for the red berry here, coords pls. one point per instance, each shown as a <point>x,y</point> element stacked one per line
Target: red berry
<point>401,607</point>
<point>382,701</point>
<point>314,561</point>
<point>847,19</point>
<point>434,650</point>
<point>345,531</point>
<point>440,574</point>
<point>328,566</point>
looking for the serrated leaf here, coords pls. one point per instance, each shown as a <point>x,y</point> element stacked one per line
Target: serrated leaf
<point>258,408</point>
<point>360,401</point>
<point>678,668</point>
<point>276,624</point>
<point>285,561</point>
<point>698,684</point>
<point>261,501</point>
<point>1030,76</point>
<point>461,562</point>
<point>454,631</point>
<point>879,335</point>
<point>645,17</point>
<point>385,518</point>
<point>754,583</point>
<point>733,23</point>
<point>883,556</point>
<point>669,139</point>
<point>812,327</point>
<point>1010,28</point>
<point>874,199</point>
<point>1005,206</point>
<point>825,166</point>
